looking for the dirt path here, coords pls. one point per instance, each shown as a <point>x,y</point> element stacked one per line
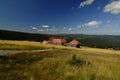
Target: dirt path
<point>6,52</point>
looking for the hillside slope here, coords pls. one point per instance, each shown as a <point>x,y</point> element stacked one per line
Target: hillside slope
<point>13,35</point>
<point>99,41</point>
<point>62,63</point>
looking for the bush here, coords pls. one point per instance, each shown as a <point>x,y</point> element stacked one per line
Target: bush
<point>76,61</point>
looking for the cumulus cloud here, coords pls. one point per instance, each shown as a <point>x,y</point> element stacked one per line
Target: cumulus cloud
<point>113,7</point>
<point>67,29</point>
<point>70,29</point>
<point>85,3</point>
<point>64,28</point>
<point>34,28</point>
<point>47,29</point>
<point>53,29</point>
<point>90,24</point>
<point>45,26</point>
<point>93,23</point>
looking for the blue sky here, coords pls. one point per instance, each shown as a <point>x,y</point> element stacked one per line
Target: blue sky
<point>61,16</point>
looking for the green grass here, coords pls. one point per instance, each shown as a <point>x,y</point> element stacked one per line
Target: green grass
<point>55,65</point>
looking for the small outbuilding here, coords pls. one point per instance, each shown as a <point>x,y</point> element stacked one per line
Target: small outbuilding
<point>75,43</point>
<point>45,42</point>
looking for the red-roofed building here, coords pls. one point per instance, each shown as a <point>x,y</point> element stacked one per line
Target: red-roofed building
<point>61,41</point>
<point>75,43</point>
<point>58,41</point>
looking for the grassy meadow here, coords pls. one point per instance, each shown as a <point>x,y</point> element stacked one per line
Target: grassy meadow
<point>24,45</point>
<point>61,63</point>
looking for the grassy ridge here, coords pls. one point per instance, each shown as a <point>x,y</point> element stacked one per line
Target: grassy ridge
<point>54,65</point>
<point>24,45</point>
<point>20,45</point>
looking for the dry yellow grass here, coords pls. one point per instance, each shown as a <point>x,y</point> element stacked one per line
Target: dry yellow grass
<point>26,45</point>
<point>53,65</point>
<point>98,50</point>
<point>20,42</point>
<point>20,45</point>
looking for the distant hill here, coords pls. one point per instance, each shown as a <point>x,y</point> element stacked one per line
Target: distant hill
<point>13,35</point>
<point>99,41</point>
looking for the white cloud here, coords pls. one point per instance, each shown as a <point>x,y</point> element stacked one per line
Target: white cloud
<point>67,29</point>
<point>53,29</point>
<point>85,3</point>
<point>64,28</point>
<point>45,26</point>
<point>70,29</point>
<point>90,24</point>
<point>93,23</point>
<point>113,7</point>
<point>33,27</point>
<point>47,29</point>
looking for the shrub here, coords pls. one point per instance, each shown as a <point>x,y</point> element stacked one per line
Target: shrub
<point>76,61</point>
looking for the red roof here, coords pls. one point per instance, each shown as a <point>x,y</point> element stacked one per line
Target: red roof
<point>75,42</point>
<point>57,40</point>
